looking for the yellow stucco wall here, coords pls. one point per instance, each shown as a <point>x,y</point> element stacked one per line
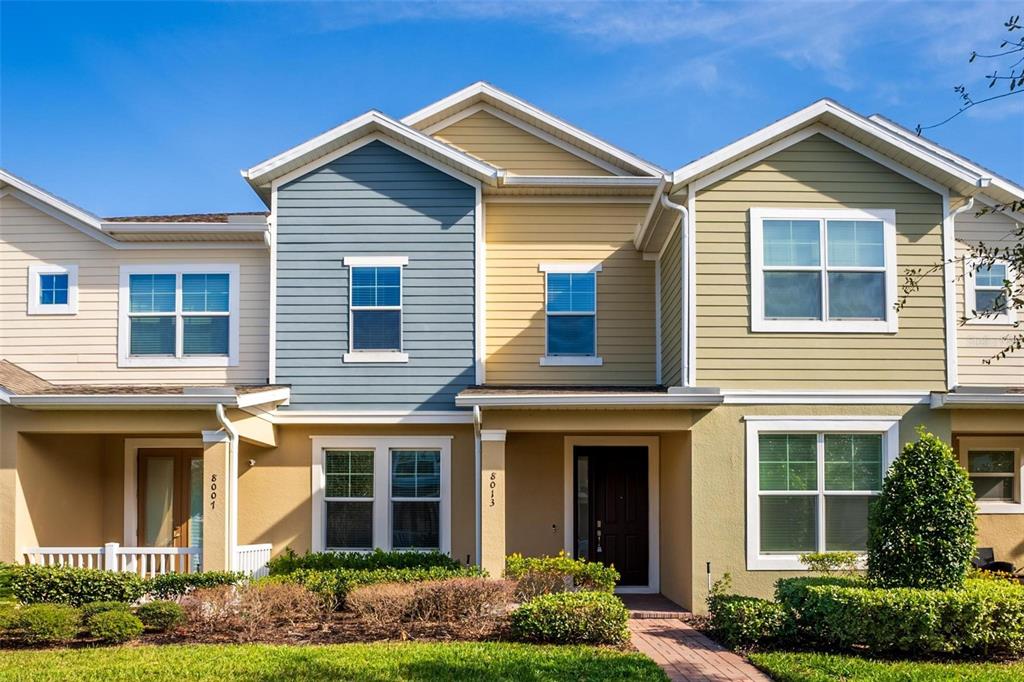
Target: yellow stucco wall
<point>676,518</point>
<point>815,173</point>
<point>534,507</point>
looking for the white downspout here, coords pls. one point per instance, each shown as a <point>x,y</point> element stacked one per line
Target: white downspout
<point>949,274</point>
<point>684,299</point>
<point>232,490</point>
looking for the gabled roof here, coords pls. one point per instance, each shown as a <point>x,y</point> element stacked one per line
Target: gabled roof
<point>870,134</point>
<point>263,174</point>
<point>482,92</point>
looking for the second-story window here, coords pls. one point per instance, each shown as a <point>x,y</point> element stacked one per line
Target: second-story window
<point>375,309</point>
<point>986,292</point>
<point>179,315</point>
<point>571,314</point>
<point>822,270</point>
<point>52,289</point>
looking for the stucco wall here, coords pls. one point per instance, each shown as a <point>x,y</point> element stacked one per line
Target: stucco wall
<point>535,492</point>
<point>676,518</point>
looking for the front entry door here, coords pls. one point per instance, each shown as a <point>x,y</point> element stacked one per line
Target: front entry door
<point>170,497</point>
<point>612,510</point>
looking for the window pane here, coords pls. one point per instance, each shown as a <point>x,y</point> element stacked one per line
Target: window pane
<point>53,289</point>
<point>349,525</point>
<point>415,525</point>
<point>152,335</point>
<point>993,488</point>
<point>846,523</point>
<point>856,243</point>
<point>571,335</point>
<point>996,462</point>
<point>788,461</point>
<point>415,473</point>
<point>989,300</point>
<point>788,523</point>
<point>792,295</point>
<point>376,330</point>
<point>151,293</point>
<point>859,295</point>
<point>853,461</point>
<point>792,242</point>
<point>991,275</point>
<point>204,293</point>
<point>572,292</point>
<point>376,286</point>
<point>206,335</point>
<point>348,473</point>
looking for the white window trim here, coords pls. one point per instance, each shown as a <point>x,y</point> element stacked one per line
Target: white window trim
<point>377,356</point>
<point>382,447</point>
<point>970,289</point>
<point>969,443</point>
<point>887,426</point>
<point>758,323</point>
<point>569,360</point>
<point>124,357</point>
<point>34,305</point>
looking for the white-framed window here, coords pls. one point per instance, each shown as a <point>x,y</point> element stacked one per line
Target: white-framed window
<point>823,270</point>
<point>810,483</point>
<point>985,294</point>
<point>178,315</point>
<point>386,492</point>
<point>52,289</point>
<point>375,309</point>
<point>570,311</point>
<point>996,469</point>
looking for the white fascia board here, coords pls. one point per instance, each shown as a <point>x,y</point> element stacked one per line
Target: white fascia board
<point>532,115</point>
<point>40,194</point>
<point>579,181</point>
<point>5,397</point>
<point>805,117</point>
<point>274,395</point>
<point>370,417</point>
<point>590,400</point>
<point>982,400</point>
<point>173,227</point>
<point>372,121</point>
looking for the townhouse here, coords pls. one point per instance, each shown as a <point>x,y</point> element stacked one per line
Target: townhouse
<point>482,330</point>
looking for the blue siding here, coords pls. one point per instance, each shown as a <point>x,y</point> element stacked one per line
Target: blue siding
<point>375,201</point>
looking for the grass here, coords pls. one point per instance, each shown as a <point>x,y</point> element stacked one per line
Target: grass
<point>369,662</point>
<point>811,667</point>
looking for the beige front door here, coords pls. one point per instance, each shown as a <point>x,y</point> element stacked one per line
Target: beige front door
<point>170,497</point>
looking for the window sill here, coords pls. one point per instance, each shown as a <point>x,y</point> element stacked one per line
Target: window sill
<point>827,327</point>
<point>1000,508</point>
<point>788,562</point>
<point>57,309</point>
<point>995,321</point>
<point>376,356</point>
<point>212,361</point>
<point>570,361</point>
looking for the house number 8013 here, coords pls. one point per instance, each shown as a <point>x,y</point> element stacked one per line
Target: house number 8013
<point>493,485</point>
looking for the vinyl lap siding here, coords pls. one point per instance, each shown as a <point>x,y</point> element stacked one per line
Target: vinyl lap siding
<point>671,313</point>
<point>375,201</point>
<point>506,146</point>
<point>82,348</point>
<point>520,236</point>
<point>815,173</point>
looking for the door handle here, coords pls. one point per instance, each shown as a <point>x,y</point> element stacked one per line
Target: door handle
<point>176,534</point>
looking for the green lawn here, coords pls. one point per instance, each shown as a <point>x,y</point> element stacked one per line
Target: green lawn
<point>806,667</point>
<point>449,661</point>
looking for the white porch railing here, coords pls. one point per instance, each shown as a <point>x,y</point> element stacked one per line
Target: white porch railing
<point>146,561</point>
<point>252,559</point>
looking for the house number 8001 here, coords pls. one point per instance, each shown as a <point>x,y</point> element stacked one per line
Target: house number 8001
<point>213,491</point>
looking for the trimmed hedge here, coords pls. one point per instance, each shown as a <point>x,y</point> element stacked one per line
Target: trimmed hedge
<point>170,585</point>
<point>289,561</point>
<point>74,586</point>
<point>92,608</point>
<point>46,623</point>
<point>740,621</point>
<point>983,618</point>
<point>161,616</point>
<point>114,627</point>
<point>543,575</point>
<point>572,618</point>
<point>333,586</point>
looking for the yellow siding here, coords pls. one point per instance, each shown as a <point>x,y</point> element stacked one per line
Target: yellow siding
<point>979,342</point>
<point>83,348</point>
<point>506,146</point>
<point>815,173</point>
<point>521,236</point>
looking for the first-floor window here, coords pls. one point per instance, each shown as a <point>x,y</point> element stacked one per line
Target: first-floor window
<point>995,467</point>
<point>811,490</point>
<point>349,499</point>
<point>415,499</point>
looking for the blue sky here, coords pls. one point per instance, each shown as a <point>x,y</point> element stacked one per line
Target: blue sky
<point>154,108</point>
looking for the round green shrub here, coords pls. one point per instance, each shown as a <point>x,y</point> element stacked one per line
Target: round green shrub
<point>115,627</point>
<point>92,608</point>
<point>47,623</point>
<point>161,615</point>
<point>740,621</point>
<point>572,618</point>
<point>922,528</point>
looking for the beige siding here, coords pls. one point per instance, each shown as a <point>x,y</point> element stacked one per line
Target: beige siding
<point>83,348</point>
<point>979,342</point>
<point>671,312</point>
<point>504,145</point>
<point>815,173</point>
<point>519,238</point>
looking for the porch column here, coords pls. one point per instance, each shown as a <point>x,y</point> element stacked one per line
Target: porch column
<point>492,503</point>
<point>215,501</point>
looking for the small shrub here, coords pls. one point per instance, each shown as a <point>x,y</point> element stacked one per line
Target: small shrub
<point>740,621</point>
<point>8,614</point>
<point>161,615</point>
<point>572,618</point>
<point>289,561</point>
<point>545,575</point>
<point>334,585</point>
<point>831,562</point>
<point>383,605</point>
<point>74,586</point>
<point>92,608</point>
<point>47,623</point>
<point>115,627</point>
<point>249,610</point>
<point>172,585</point>
<point>922,528</point>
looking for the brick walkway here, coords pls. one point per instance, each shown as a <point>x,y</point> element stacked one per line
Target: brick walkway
<point>682,652</point>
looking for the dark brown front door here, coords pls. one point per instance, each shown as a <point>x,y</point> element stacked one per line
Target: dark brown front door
<point>616,508</point>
